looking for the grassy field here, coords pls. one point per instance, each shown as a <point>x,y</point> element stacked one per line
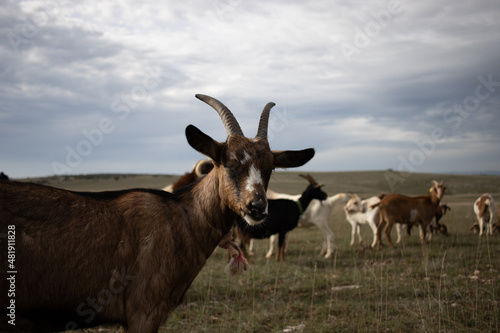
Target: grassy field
<point>450,285</point>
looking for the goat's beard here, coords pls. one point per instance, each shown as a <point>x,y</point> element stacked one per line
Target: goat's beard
<point>248,219</point>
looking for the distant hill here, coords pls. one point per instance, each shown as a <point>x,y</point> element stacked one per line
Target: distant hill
<point>364,183</point>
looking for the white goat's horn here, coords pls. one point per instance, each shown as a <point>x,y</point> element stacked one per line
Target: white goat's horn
<point>230,122</point>
<point>264,121</point>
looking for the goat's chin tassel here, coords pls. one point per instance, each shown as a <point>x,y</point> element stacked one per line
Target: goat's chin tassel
<point>237,264</point>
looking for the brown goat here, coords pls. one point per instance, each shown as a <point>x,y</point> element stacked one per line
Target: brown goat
<point>398,208</point>
<point>128,257</point>
<point>435,227</point>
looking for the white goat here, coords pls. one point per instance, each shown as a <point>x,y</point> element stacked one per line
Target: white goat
<point>359,212</point>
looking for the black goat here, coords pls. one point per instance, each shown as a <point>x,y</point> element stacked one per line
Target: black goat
<point>441,228</point>
<point>283,217</point>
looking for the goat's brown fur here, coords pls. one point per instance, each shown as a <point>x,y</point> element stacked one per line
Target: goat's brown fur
<point>398,208</point>
<point>128,257</point>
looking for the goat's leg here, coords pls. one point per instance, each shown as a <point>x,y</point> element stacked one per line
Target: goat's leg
<point>379,232</point>
<point>327,248</point>
<point>490,224</point>
<point>422,232</point>
<point>250,247</point>
<point>280,256</point>
<point>388,230</point>
<point>323,248</point>
<point>244,241</point>
<point>269,253</point>
<point>481,222</point>
<point>398,231</point>
<point>147,320</point>
<point>353,232</point>
<point>373,226</point>
<point>358,232</point>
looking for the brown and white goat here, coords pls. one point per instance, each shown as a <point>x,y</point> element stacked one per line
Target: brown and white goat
<point>128,257</point>
<point>398,208</point>
<point>485,206</point>
<point>434,226</point>
<point>201,168</point>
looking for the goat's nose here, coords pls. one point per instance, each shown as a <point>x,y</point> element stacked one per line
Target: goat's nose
<point>258,207</point>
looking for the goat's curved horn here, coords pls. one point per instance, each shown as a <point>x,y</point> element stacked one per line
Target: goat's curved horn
<point>202,166</point>
<point>435,182</point>
<point>230,122</point>
<point>309,178</point>
<point>264,121</point>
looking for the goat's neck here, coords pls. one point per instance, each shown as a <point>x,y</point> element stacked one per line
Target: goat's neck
<point>335,198</point>
<point>435,199</point>
<point>305,199</point>
<point>209,217</point>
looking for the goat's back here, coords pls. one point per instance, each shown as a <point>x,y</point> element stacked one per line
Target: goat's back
<point>399,208</point>
<point>73,248</point>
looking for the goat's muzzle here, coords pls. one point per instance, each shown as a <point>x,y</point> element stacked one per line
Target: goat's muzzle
<point>256,210</point>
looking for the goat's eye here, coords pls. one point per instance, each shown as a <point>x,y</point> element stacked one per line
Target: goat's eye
<point>233,165</point>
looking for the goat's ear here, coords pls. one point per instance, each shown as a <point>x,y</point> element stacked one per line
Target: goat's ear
<point>292,158</point>
<point>203,143</point>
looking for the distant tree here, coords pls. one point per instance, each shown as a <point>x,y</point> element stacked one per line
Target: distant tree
<point>3,176</point>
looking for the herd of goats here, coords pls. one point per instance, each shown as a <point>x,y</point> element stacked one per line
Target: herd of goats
<point>313,208</point>
<point>72,260</point>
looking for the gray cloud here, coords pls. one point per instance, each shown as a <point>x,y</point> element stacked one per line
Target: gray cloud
<point>366,84</point>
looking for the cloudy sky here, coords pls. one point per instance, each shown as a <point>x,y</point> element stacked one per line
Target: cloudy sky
<point>108,86</point>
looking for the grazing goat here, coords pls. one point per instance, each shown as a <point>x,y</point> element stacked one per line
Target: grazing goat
<point>283,217</point>
<point>398,208</point>
<point>128,257</point>
<point>359,212</point>
<point>434,226</point>
<point>201,168</point>
<point>485,205</point>
<point>438,227</point>
<point>317,213</point>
